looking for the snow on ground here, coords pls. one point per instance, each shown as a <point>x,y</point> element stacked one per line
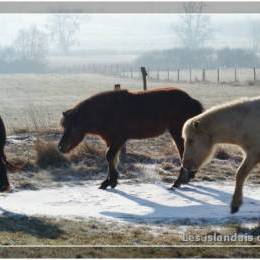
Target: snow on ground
<point>200,202</point>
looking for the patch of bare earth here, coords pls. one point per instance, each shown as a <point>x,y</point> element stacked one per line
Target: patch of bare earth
<point>40,164</point>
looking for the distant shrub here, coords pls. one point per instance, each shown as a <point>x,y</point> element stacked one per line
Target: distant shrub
<point>27,54</point>
<point>236,57</point>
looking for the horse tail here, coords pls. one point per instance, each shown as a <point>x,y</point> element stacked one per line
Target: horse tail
<point>198,107</point>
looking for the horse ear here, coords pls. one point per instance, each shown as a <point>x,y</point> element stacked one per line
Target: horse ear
<point>195,124</point>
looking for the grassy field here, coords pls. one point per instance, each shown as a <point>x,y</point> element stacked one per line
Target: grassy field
<point>38,100</point>
<point>34,102</point>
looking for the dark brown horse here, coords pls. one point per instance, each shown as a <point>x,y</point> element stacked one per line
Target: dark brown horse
<point>117,116</point>
<point>4,164</point>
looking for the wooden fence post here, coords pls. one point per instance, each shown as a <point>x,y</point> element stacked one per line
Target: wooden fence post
<point>117,87</point>
<point>190,74</point>
<point>235,74</point>
<point>168,74</point>
<point>218,75</point>
<point>178,75</point>
<point>203,75</point>
<point>158,75</point>
<point>254,74</point>
<point>144,75</point>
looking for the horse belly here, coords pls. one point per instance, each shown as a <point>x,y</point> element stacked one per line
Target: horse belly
<point>146,130</point>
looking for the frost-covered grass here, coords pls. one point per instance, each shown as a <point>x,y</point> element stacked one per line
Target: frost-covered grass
<point>30,101</point>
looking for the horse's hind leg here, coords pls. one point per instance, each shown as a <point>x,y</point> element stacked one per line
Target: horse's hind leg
<point>113,160</point>
<point>176,135</point>
<point>242,173</point>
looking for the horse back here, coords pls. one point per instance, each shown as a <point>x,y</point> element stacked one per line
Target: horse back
<point>137,114</point>
<point>160,104</point>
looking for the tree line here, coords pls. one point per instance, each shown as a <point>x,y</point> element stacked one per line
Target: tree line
<point>31,46</point>
<point>185,58</point>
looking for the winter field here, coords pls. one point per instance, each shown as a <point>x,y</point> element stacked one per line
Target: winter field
<point>56,201</point>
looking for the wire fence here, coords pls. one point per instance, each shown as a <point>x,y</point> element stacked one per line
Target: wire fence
<point>218,75</point>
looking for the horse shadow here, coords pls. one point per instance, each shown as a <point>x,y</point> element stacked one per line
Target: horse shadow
<point>173,215</point>
<point>15,222</point>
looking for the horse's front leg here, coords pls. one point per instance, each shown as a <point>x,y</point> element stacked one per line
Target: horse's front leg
<point>183,177</point>
<point>246,166</point>
<point>113,160</point>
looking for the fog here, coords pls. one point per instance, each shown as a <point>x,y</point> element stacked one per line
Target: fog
<point>135,32</point>
<point>47,43</point>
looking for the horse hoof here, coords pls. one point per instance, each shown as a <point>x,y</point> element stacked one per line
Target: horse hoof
<point>176,184</point>
<point>103,185</point>
<point>185,179</point>
<point>113,184</point>
<point>234,209</point>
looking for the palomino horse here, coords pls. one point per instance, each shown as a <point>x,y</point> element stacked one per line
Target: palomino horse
<point>117,116</point>
<point>235,123</point>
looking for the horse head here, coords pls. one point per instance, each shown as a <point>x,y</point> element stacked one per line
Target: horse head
<point>198,145</point>
<point>73,132</point>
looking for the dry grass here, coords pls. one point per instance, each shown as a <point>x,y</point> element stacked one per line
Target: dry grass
<point>222,154</point>
<point>49,156</point>
<point>85,150</point>
<point>23,230</point>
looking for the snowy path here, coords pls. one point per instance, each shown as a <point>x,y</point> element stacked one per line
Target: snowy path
<point>200,202</point>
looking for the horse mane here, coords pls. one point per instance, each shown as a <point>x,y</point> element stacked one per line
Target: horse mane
<point>230,104</point>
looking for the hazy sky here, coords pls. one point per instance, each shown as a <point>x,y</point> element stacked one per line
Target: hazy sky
<point>135,31</point>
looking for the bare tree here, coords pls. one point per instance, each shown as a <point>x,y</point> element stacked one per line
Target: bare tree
<point>31,44</point>
<point>63,30</point>
<point>254,34</point>
<point>193,30</point>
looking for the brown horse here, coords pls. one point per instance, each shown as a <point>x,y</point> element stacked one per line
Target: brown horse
<point>117,116</point>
